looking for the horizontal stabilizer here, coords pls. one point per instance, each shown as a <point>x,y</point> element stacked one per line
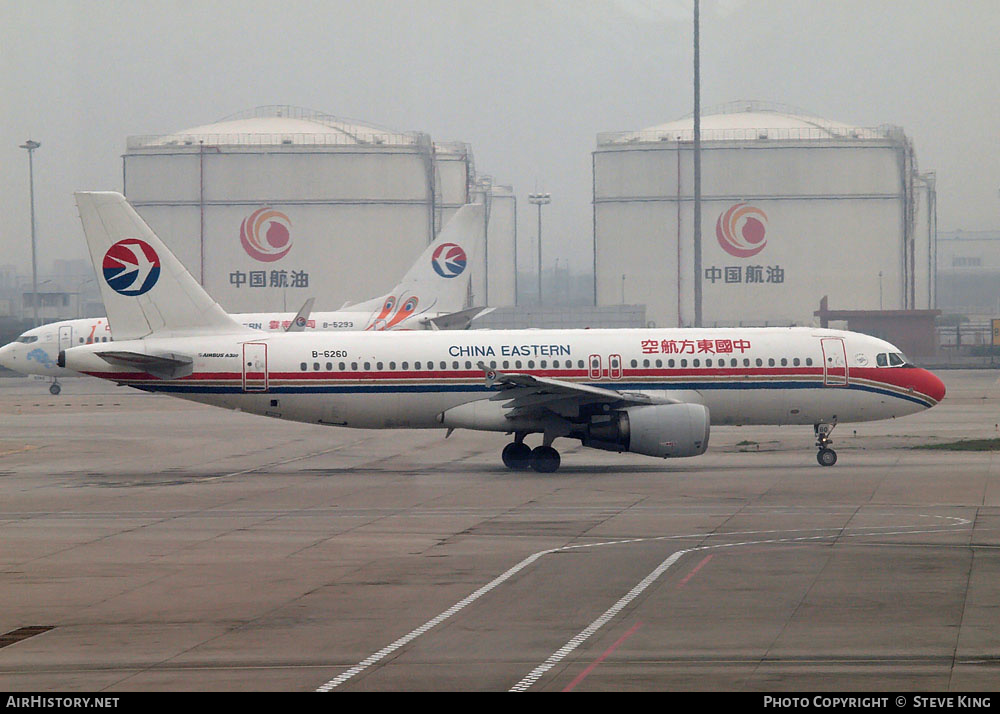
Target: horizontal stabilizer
<point>460,320</point>
<point>165,366</point>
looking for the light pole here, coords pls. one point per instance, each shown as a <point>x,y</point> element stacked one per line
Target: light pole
<point>539,199</point>
<point>697,169</point>
<point>31,145</point>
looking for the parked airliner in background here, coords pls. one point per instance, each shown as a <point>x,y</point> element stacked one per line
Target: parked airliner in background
<point>648,391</point>
<point>431,295</point>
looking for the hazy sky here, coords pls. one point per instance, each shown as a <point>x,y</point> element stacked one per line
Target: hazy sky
<point>527,83</point>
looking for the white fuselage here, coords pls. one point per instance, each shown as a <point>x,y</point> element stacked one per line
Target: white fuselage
<point>408,379</point>
<point>35,352</point>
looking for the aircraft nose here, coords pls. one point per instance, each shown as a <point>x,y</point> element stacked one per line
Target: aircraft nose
<point>931,385</point>
<point>7,356</point>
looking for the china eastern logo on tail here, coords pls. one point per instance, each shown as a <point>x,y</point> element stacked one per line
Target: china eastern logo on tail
<point>266,235</point>
<point>742,230</point>
<point>449,260</point>
<point>131,267</point>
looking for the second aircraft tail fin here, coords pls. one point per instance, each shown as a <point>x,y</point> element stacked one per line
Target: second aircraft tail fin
<point>439,280</point>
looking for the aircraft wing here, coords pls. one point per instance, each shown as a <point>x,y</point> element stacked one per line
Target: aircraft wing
<point>165,366</point>
<point>529,396</point>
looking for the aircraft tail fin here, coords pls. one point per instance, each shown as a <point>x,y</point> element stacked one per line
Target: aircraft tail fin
<point>439,280</point>
<point>145,288</point>
<point>302,317</point>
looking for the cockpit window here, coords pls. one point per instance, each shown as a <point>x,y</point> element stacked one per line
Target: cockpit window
<point>27,339</point>
<point>891,359</point>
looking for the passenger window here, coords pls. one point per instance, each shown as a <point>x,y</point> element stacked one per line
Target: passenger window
<point>684,363</point>
<point>635,363</point>
<point>531,364</point>
<point>732,362</point>
<point>746,362</point>
<point>303,366</point>
<point>378,365</point>
<point>444,365</point>
<point>354,366</point>
<point>316,366</point>
<point>671,364</point>
<point>760,362</point>
<point>392,365</point>
<point>696,363</point>
<point>645,363</point>
<point>368,366</point>
<point>517,364</point>
<point>796,361</point>
<point>329,366</point>
<point>506,364</point>
<point>405,365</point>
<point>454,365</point>
<point>579,364</point>
<point>809,361</point>
<point>784,362</point>
<point>555,363</point>
<point>659,363</point>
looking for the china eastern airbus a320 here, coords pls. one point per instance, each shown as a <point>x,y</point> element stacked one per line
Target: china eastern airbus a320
<point>647,391</point>
<point>431,296</point>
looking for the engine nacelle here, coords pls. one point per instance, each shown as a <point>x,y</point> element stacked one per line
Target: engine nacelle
<point>668,430</point>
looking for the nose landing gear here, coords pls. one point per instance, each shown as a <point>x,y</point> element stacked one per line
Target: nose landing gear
<point>825,456</point>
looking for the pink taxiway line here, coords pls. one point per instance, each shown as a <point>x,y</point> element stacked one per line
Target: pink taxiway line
<point>583,675</point>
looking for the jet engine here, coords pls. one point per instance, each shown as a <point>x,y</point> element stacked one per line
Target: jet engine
<point>667,430</point>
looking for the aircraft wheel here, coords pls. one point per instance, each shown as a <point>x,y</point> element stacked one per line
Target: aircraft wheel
<point>55,389</point>
<point>516,456</point>
<point>545,459</point>
<point>826,457</point>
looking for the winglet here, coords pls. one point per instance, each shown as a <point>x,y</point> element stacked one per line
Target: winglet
<point>491,375</point>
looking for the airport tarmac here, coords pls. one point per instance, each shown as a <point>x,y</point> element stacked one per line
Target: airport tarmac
<point>174,546</point>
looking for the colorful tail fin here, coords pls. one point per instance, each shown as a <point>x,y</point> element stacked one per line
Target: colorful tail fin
<point>439,280</point>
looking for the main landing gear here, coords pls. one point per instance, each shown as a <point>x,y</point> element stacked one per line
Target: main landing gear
<point>55,387</point>
<point>519,456</point>
<point>825,456</point>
